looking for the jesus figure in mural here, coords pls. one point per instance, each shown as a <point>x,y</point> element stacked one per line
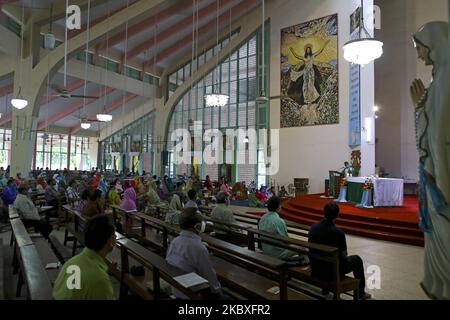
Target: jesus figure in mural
<point>307,79</point>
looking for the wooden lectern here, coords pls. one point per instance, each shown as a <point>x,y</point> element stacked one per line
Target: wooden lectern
<point>335,183</point>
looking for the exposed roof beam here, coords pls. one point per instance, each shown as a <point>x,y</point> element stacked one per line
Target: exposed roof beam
<point>14,11</point>
<point>6,89</point>
<point>109,108</point>
<point>173,30</point>
<point>73,107</point>
<point>59,10</point>
<point>237,10</point>
<point>145,25</point>
<point>9,42</point>
<point>56,56</point>
<point>75,68</point>
<point>71,87</point>
<point>73,33</point>
<point>65,130</point>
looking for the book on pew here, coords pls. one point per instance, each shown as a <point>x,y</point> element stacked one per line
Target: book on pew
<point>53,265</point>
<point>190,280</point>
<point>274,290</point>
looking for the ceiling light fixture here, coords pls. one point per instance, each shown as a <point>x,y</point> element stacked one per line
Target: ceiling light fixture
<point>216,98</point>
<point>262,96</point>
<point>85,125</point>
<point>364,50</point>
<point>103,117</point>
<point>20,102</point>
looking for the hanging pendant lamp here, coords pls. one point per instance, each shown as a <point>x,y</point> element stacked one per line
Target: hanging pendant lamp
<point>364,50</point>
<point>19,102</point>
<point>216,98</point>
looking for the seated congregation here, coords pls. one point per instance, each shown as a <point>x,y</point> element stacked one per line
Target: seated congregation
<point>132,238</point>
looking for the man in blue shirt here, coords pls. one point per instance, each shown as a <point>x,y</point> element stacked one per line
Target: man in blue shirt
<point>273,224</point>
<point>325,232</point>
<point>9,193</point>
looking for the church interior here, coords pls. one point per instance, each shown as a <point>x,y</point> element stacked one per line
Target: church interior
<point>224,150</point>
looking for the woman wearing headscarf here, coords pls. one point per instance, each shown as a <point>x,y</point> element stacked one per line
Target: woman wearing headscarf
<point>113,195</point>
<point>432,108</point>
<point>129,200</point>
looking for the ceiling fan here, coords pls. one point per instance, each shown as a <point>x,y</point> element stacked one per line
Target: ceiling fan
<point>63,92</point>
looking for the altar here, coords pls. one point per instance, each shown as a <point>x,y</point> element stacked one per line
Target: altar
<point>387,192</point>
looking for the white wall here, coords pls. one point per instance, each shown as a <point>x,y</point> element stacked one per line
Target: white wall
<point>310,152</point>
<point>396,149</point>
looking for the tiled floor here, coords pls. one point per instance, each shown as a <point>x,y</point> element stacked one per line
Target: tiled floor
<point>400,266</point>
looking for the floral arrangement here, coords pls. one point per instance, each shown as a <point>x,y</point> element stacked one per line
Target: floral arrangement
<point>344,183</point>
<point>368,184</point>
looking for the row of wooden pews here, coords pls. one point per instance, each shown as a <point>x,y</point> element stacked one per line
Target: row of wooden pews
<point>30,256</point>
<point>127,254</point>
<point>251,274</point>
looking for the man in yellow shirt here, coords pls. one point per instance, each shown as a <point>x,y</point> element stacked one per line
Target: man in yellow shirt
<point>85,276</point>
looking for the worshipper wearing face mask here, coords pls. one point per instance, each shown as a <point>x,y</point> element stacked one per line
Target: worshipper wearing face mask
<point>95,283</point>
<point>129,200</point>
<point>40,185</point>
<point>51,195</point>
<point>29,213</point>
<point>188,253</point>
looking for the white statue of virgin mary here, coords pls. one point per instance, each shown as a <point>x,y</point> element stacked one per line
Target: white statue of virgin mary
<point>433,142</point>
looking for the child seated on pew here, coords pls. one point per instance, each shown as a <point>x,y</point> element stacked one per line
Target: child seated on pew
<point>94,282</point>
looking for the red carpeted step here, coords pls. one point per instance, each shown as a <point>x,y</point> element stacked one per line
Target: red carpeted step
<point>352,221</point>
<point>390,224</point>
<point>387,236</point>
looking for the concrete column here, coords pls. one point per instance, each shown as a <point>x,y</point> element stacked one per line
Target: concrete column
<point>367,104</point>
<point>23,124</point>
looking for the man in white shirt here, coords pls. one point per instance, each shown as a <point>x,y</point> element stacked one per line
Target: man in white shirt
<point>29,213</point>
<point>188,253</point>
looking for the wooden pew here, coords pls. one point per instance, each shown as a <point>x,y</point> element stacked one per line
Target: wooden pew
<point>32,269</point>
<point>231,252</point>
<point>324,253</point>
<point>160,270</point>
<point>74,225</point>
<point>252,220</point>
